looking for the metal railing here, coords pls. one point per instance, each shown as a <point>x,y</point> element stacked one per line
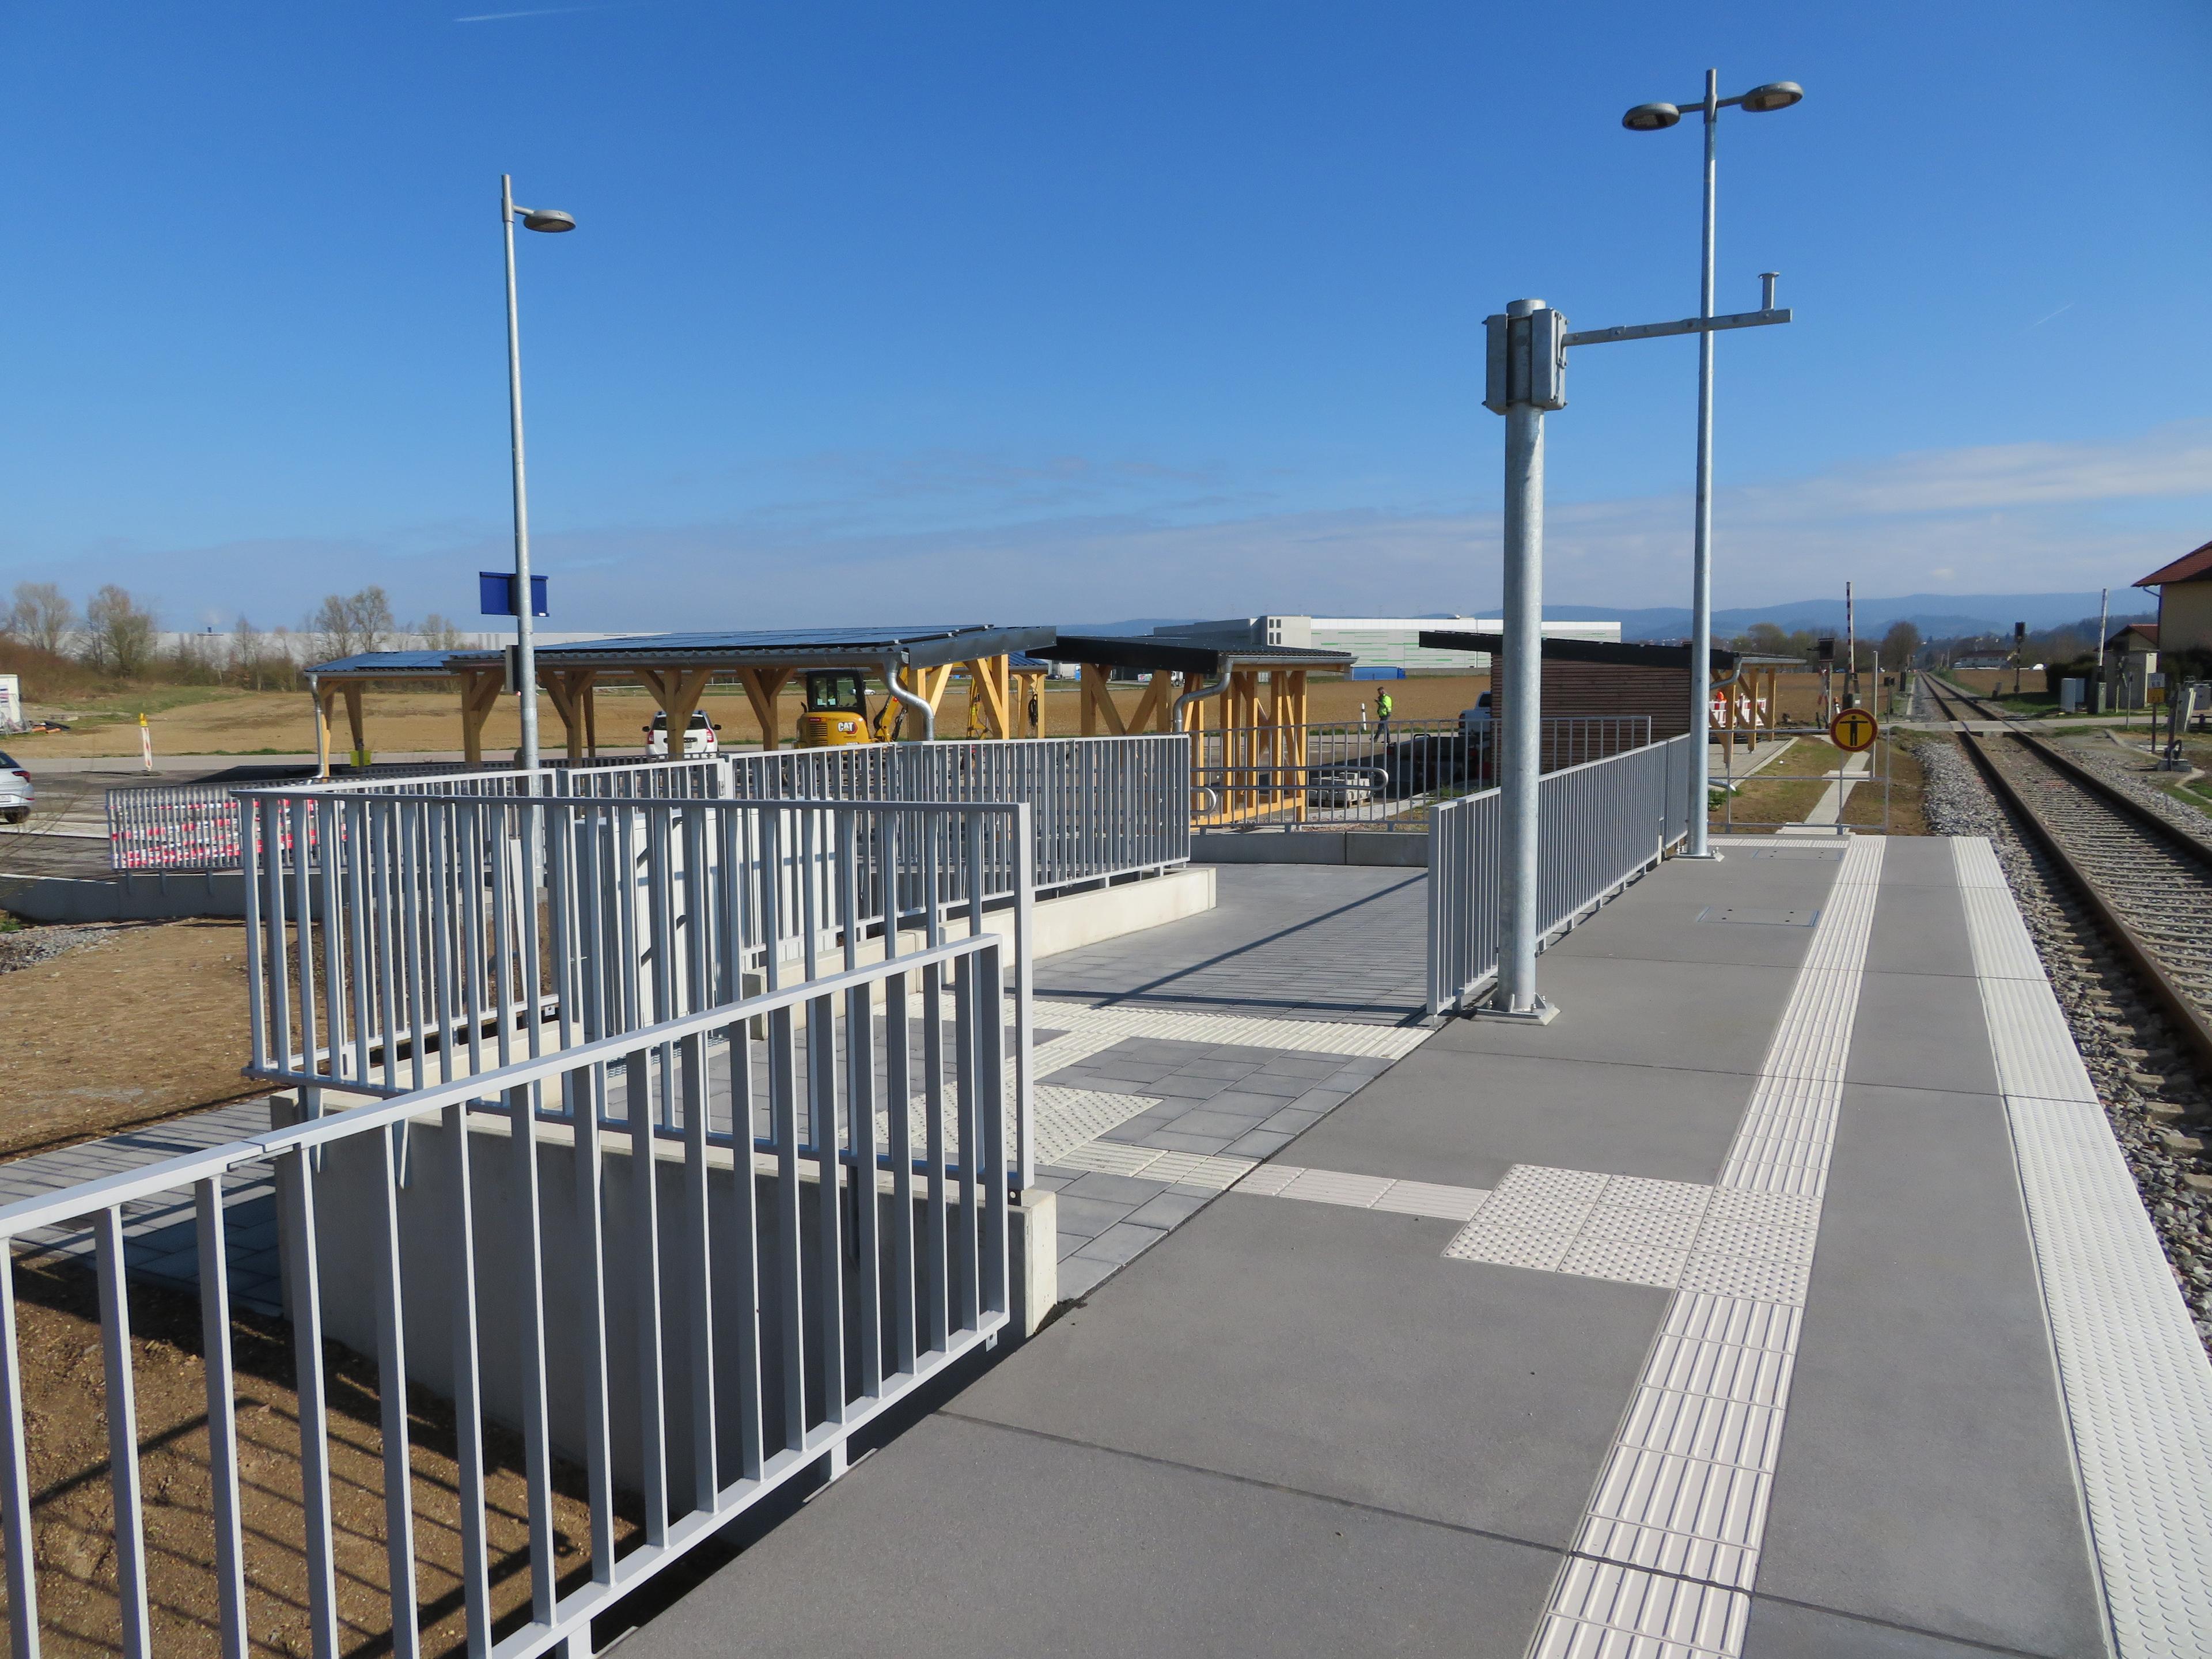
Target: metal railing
<point>694,1305</point>
<point>194,826</point>
<point>1373,775</point>
<point>457,933</point>
<point>1825,810</point>
<point>1100,807</point>
<point>1602,824</point>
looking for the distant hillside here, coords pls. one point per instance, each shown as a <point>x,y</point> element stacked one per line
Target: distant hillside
<point>1938,616</point>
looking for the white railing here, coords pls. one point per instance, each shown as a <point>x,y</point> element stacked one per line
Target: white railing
<point>1602,824</point>
<point>694,1259</point>
<point>457,935</point>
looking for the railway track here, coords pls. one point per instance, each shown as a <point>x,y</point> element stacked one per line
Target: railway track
<point>2146,884</point>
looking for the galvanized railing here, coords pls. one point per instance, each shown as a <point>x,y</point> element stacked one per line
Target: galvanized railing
<point>194,826</point>
<point>1603,823</point>
<point>1373,775</point>
<point>689,1262</point>
<point>458,934</point>
<point>1100,807</point>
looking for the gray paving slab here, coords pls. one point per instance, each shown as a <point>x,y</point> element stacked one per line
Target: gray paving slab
<point>1464,1122</point>
<point>976,1539</point>
<point>1718,1017</point>
<point>1782,1630</point>
<point>1675,926</point>
<point>1335,1351</point>
<point>1919,929</point>
<point>1309,942</point>
<point>1928,1033</point>
<point>1925,1478</point>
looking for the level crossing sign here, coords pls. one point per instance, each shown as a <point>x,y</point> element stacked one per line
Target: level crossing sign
<point>1853,731</point>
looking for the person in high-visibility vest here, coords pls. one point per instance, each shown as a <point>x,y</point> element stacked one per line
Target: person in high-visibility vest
<point>1383,705</point>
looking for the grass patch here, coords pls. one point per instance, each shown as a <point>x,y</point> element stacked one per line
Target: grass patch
<point>1784,793</point>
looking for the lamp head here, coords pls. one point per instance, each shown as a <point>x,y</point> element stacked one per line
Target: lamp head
<point>548,219</point>
<point>1775,94</point>
<point>1651,118</point>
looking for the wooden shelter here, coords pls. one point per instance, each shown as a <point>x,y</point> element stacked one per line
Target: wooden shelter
<point>1244,705</point>
<point>480,677</point>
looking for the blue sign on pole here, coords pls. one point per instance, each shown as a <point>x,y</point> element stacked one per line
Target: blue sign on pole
<point>496,594</point>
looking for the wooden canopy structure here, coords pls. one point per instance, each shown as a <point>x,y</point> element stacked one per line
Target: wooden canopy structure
<point>1244,705</point>
<point>480,676</point>
<point>918,664</point>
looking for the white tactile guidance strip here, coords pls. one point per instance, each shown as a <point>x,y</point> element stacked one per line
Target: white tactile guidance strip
<point>2133,1373</point>
<point>1668,1547</point>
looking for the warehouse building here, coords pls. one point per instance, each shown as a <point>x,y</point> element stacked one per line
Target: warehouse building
<point>1377,642</point>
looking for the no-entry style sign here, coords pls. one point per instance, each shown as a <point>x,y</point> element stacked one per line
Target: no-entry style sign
<point>1853,731</point>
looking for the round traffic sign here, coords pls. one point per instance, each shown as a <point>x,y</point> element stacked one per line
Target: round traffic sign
<point>1853,731</point>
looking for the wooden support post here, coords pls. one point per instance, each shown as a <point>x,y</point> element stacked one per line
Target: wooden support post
<point>1100,717</point>
<point>570,690</point>
<point>988,694</point>
<point>480,689</point>
<point>763,687</point>
<point>591,694</point>
<point>320,697</point>
<point>1028,707</point>
<point>678,690</point>
<point>353,722</point>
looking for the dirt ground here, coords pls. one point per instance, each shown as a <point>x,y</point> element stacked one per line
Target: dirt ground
<point>73,1511</point>
<point>143,1019</point>
<point>224,722</point>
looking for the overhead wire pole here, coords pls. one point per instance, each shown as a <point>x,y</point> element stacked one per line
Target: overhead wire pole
<point>1525,376</point>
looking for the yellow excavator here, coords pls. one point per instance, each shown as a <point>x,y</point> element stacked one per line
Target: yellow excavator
<point>834,711</point>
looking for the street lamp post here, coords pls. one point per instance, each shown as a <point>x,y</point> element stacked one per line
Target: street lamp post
<point>526,668</point>
<point>1653,118</point>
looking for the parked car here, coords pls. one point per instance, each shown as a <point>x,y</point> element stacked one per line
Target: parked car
<point>17,792</point>
<point>700,742</point>
<point>1345,784</point>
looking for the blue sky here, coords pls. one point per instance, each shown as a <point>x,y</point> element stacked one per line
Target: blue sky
<point>1077,312</point>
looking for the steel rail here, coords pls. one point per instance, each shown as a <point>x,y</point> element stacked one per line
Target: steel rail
<point>2188,1014</point>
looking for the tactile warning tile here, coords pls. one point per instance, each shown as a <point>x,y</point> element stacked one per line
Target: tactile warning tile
<point>1065,1118</point>
<point>1670,1543</point>
<point>1603,1611</point>
<point>2134,1377</point>
<point>1175,1168</point>
<point>1318,1036</point>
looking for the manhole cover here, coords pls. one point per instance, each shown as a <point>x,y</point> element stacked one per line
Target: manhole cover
<point>1760,916</point>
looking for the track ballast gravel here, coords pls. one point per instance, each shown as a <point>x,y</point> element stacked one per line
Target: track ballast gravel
<point>2124,1041</point>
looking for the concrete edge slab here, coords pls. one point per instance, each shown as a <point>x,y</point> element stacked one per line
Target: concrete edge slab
<point>2137,1385</point>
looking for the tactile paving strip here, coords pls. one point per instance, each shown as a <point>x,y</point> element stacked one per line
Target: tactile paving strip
<point>1316,1036</point>
<point>2137,1385</point>
<point>1669,1545</point>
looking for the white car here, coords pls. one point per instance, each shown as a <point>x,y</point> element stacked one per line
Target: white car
<point>700,742</point>
<point>15,791</point>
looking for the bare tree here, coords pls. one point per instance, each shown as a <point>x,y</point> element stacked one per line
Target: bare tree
<point>118,633</point>
<point>437,633</point>
<point>42,617</point>
<point>347,624</point>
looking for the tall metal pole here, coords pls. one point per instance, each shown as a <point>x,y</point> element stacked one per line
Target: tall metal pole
<point>1701,577</point>
<point>1520,760</point>
<point>527,652</point>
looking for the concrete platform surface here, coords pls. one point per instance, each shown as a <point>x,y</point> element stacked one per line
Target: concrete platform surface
<point>1778,1299</point>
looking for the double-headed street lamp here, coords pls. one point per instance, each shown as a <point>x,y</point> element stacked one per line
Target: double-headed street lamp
<point>1653,118</point>
<point>526,667</point>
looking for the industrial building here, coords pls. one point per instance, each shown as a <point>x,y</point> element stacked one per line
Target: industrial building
<point>1378,641</point>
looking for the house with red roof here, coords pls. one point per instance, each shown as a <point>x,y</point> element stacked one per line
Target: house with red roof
<point>2184,603</point>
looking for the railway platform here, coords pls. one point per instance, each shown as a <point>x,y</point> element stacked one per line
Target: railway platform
<point>1786,1296</point>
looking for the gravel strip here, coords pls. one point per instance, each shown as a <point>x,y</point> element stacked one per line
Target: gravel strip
<point>34,945</point>
<point>2142,1079</point>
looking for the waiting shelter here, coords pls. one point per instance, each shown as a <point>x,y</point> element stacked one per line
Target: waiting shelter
<point>1248,754</point>
<point>915,665</point>
<point>480,675</point>
<point>1592,678</point>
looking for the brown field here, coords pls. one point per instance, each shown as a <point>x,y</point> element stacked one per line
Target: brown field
<point>226,722</point>
<point>147,1019</point>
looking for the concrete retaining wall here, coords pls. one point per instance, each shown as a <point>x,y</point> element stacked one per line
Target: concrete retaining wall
<point>1389,848</point>
<point>151,895</point>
